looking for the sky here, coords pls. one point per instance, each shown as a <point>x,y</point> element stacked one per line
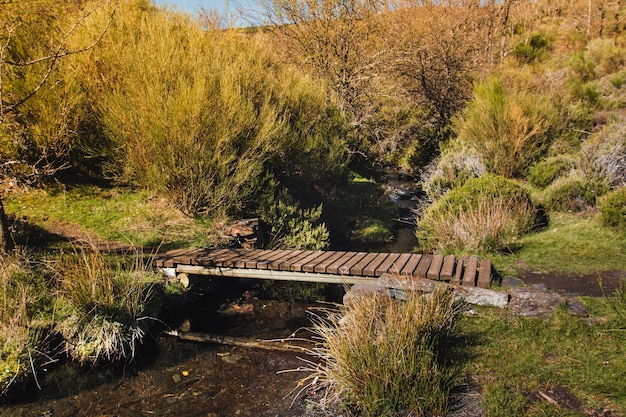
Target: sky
<point>192,6</point>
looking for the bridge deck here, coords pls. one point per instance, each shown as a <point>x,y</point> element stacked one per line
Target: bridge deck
<point>326,266</point>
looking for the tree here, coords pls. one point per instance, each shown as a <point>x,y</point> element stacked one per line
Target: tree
<point>16,59</point>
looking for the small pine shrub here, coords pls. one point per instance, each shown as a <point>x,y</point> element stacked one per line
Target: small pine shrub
<point>534,49</point>
<point>484,215</point>
<point>613,209</point>
<point>573,193</point>
<point>546,171</point>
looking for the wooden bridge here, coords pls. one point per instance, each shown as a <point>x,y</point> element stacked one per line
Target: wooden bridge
<point>339,267</point>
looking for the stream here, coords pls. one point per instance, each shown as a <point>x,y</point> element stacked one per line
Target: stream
<point>182,377</point>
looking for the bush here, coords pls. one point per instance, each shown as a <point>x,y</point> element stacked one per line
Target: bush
<point>457,164</point>
<point>546,171</point>
<point>380,356</point>
<point>534,49</point>
<point>613,209</point>
<point>574,193</point>
<point>607,151</point>
<point>508,130</point>
<point>485,214</point>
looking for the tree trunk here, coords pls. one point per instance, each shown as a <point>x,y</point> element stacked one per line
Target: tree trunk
<point>6,242</point>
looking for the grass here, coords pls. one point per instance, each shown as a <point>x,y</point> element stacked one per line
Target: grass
<point>516,359</point>
<point>571,243</point>
<point>380,356</point>
<point>112,214</point>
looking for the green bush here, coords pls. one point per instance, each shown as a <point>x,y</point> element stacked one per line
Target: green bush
<point>613,209</point>
<point>534,49</point>
<point>574,193</point>
<point>485,214</point>
<point>546,171</point>
<point>509,130</point>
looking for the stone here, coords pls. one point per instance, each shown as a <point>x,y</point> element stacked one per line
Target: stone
<point>533,301</point>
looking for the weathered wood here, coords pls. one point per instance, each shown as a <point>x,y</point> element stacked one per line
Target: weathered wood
<point>334,267</point>
<point>299,264</point>
<point>422,268</point>
<point>321,267</point>
<point>399,263</point>
<point>264,264</point>
<point>281,344</point>
<point>435,267</point>
<point>249,257</point>
<point>469,275</point>
<point>370,269</point>
<point>384,267</point>
<point>252,263</point>
<point>286,266</point>
<point>447,270</point>
<point>458,275</point>
<point>358,268</point>
<point>345,268</point>
<point>484,274</point>
<point>166,260</point>
<point>411,264</point>
<point>284,259</point>
<point>312,263</point>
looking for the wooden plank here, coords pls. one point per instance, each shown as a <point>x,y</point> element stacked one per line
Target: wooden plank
<point>264,253</point>
<point>484,273</point>
<point>236,255</point>
<point>458,275</point>
<point>469,276</point>
<point>248,258</point>
<point>370,269</point>
<point>321,267</point>
<point>345,268</point>
<point>222,259</point>
<point>435,267</point>
<point>333,268</point>
<point>275,265</point>
<point>298,265</point>
<point>409,267</point>
<point>166,260</point>
<point>384,267</point>
<point>357,269</point>
<point>276,254</point>
<point>311,264</point>
<point>447,270</point>
<point>399,263</point>
<point>207,259</point>
<point>286,266</point>
<point>422,269</point>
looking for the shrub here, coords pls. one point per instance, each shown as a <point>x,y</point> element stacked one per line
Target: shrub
<point>508,130</point>
<point>380,356</point>
<point>546,171</point>
<point>607,151</point>
<point>457,164</point>
<point>533,49</point>
<point>485,214</point>
<point>574,193</point>
<point>613,209</point>
<point>105,306</point>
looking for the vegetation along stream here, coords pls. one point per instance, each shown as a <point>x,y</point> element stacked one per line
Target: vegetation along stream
<point>480,129</point>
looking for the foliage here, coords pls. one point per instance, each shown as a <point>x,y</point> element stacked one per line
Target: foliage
<point>105,306</point>
<point>544,172</point>
<point>535,48</point>
<point>291,226</point>
<point>574,193</point>
<point>22,300</point>
<point>371,231</point>
<point>456,164</point>
<point>380,355</point>
<point>607,151</point>
<point>485,214</point>
<point>509,130</point>
<point>613,209</point>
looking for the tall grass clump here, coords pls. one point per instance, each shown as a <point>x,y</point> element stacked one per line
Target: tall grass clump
<point>22,299</point>
<point>380,356</point>
<point>510,131</point>
<point>484,215</point>
<point>105,306</point>
<point>613,210</point>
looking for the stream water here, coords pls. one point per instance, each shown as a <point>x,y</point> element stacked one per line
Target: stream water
<point>176,377</point>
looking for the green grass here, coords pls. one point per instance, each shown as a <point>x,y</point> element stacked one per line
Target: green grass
<point>573,243</point>
<point>114,214</point>
<point>515,358</point>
